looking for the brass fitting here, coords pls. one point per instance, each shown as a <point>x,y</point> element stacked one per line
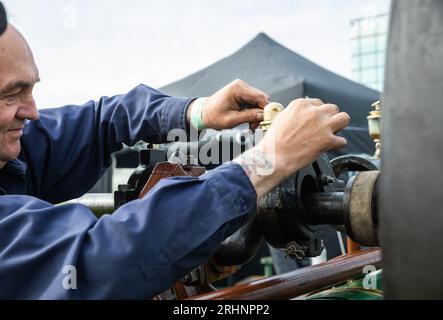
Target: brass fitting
<point>269,113</point>
<point>374,124</point>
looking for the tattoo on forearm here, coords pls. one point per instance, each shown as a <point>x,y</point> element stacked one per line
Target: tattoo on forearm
<point>255,162</point>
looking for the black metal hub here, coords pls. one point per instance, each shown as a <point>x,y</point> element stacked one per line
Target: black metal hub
<point>288,218</point>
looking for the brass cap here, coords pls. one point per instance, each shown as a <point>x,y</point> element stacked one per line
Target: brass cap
<point>376,113</point>
<point>270,111</point>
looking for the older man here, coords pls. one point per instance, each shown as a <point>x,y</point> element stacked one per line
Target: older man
<point>146,245</point>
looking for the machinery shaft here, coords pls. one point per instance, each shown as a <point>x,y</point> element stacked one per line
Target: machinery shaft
<point>326,208</point>
<point>355,208</point>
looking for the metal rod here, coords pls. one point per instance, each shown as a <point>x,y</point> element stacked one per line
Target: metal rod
<point>302,281</point>
<point>325,208</point>
<point>98,203</point>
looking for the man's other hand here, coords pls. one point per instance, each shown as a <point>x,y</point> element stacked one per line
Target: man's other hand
<point>232,105</point>
<point>302,132</point>
<point>297,137</point>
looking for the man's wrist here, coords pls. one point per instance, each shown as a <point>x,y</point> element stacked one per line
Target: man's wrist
<point>259,166</point>
<point>194,114</point>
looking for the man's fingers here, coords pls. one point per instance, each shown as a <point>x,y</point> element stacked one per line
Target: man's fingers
<point>330,109</point>
<point>254,126</point>
<point>339,121</point>
<point>305,103</point>
<point>246,116</point>
<point>315,101</point>
<point>250,97</point>
<point>255,89</point>
<point>339,142</point>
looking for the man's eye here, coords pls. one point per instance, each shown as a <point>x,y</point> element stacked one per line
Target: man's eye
<point>11,98</point>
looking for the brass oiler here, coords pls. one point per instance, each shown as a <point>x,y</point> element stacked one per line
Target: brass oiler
<point>269,113</point>
<point>374,124</point>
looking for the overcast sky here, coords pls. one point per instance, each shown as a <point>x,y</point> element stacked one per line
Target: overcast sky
<point>89,48</point>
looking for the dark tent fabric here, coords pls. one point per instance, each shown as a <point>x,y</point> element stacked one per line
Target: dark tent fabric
<point>285,75</point>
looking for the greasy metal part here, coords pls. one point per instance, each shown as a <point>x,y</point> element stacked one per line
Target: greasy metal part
<point>240,247</point>
<point>269,113</point>
<point>302,281</point>
<point>234,251</point>
<point>325,208</point>
<point>284,216</point>
<point>352,163</point>
<point>374,125</point>
<point>355,208</point>
<point>411,190</point>
<point>360,199</point>
<point>99,203</point>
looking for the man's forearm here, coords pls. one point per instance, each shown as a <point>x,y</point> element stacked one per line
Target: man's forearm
<point>259,166</point>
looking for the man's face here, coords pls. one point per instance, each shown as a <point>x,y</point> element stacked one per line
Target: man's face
<point>18,74</point>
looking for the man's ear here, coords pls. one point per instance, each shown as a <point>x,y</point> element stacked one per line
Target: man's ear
<point>3,20</point>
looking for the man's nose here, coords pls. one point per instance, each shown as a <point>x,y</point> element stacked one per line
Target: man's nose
<point>28,109</point>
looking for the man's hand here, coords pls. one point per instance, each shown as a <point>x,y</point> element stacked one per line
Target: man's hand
<point>232,105</point>
<point>297,137</point>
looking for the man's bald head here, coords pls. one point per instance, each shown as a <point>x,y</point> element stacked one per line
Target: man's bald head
<point>16,61</point>
<point>18,74</point>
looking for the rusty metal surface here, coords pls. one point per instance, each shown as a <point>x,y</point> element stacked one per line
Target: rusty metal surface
<point>296,283</point>
<point>168,169</point>
<point>352,245</point>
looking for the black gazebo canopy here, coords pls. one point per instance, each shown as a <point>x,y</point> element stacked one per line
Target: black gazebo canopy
<point>285,75</point>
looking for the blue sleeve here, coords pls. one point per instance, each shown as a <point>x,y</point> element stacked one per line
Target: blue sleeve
<point>139,251</point>
<point>68,149</point>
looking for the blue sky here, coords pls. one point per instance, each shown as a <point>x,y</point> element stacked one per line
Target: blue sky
<point>89,48</point>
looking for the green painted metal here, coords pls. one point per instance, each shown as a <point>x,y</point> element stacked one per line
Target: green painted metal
<point>267,263</point>
<point>353,289</point>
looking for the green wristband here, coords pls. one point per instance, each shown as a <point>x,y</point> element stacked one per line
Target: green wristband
<point>196,114</point>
